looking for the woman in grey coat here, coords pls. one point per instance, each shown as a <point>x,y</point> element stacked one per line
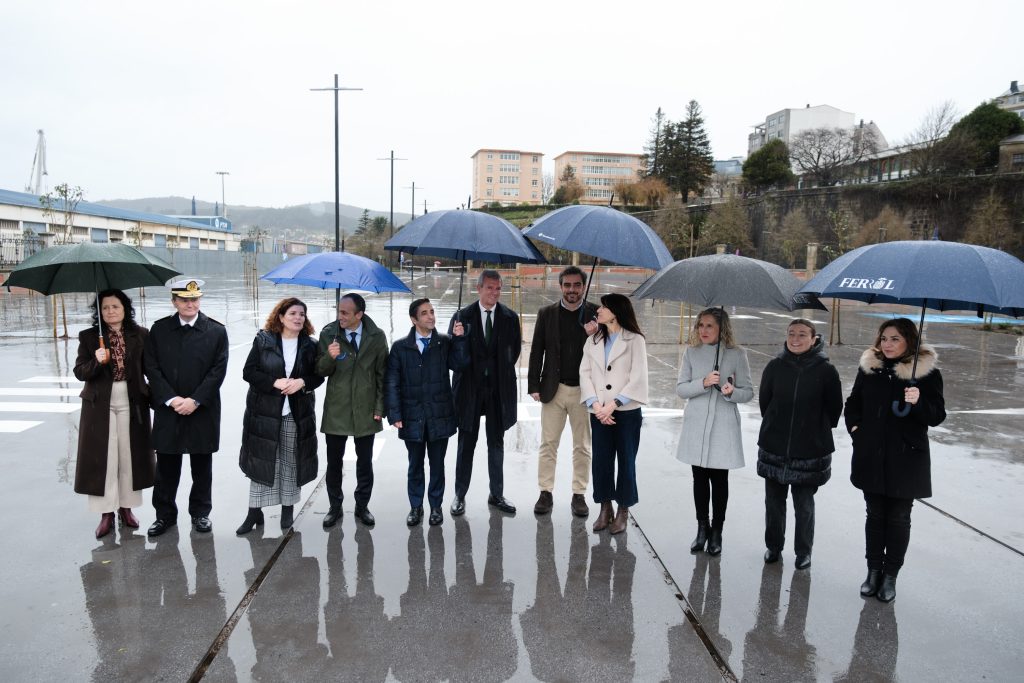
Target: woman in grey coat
<point>714,377</point>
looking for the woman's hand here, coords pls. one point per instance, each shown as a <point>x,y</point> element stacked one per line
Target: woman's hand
<point>911,395</point>
<point>289,386</point>
<point>712,378</point>
<point>102,356</point>
<point>604,411</point>
<point>728,388</point>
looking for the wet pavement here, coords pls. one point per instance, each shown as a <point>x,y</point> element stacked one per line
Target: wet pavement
<point>491,597</point>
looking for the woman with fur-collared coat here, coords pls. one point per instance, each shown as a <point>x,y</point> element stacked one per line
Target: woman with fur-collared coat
<point>888,414</point>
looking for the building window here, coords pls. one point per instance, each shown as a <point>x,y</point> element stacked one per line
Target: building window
<point>596,159</point>
<point>490,179</point>
<point>533,195</point>
<point>605,170</point>
<point>511,156</point>
<point>490,193</point>
<point>536,171</point>
<point>536,158</point>
<point>490,167</point>
<point>508,180</point>
<point>1017,159</point>
<point>533,183</point>
<point>509,192</point>
<point>490,156</point>
<point>599,194</point>
<point>509,168</point>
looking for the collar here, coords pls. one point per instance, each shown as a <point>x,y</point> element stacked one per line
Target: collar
<point>483,311</point>
<point>190,323</point>
<point>561,302</point>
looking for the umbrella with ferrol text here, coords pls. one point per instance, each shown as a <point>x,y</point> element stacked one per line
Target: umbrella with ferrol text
<point>943,276</point>
<point>336,270</point>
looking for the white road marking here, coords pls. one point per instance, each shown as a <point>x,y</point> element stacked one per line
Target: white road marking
<point>16,426</point>
<point>40,392</point>
<point>988,411</point>
<point>44,379</point>
<point>33,407</point>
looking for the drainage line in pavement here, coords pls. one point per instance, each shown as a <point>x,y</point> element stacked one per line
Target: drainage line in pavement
<point>972,528</point>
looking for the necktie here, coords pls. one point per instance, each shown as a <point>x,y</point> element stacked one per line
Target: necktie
<point>488,328</point>
<point>424,341</point>
<point>352,338</point>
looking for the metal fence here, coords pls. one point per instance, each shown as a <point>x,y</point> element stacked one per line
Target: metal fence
<point>14,250</point>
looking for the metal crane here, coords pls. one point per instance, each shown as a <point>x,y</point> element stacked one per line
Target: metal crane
<point>35,179</point>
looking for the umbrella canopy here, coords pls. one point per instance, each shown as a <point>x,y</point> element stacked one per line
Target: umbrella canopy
<point>465,235</point>
<point>336,270</point>
<point>727,280</point>
<point>604,233</point>
<point>90,267</point>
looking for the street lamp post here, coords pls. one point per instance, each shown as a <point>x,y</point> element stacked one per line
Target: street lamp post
<point>223,204</point>
<point>338,244</point>
<point>391,218</point>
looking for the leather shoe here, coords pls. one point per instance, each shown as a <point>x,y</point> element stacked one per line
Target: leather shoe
<point>544,503</point>
<point>579,506</point>
<point>363,515</point>
<point>415,516</point>
<point>106,524</point>
<point>458,506</point>
<point>127,518</point>
<point>436,516</point>
<point>803,561</point>
<point>887,590</point>
<point>160,526</point>
<point>870,585</point>
<point>332,517</point>
<point>771,556</point>
<point>202,524</point>
<point>502,504</point>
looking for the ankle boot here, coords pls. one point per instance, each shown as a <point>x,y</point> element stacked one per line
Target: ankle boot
<point>127,518</point>
<point>106,524</point>
<point>702,536</point>
<point>618,524</point>
<point>287,516</point>
<point>870,585</point>
<point>715,540</point>
<point>887,589</point>
<point>254,518</point>
<point>604,517</point>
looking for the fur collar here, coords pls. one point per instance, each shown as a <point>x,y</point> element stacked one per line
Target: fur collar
<point>870,362</point>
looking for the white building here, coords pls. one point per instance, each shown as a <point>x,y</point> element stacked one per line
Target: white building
<point>1012,100</point>
<point>787,123</point>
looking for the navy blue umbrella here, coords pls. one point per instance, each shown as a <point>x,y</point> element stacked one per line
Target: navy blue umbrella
<point>336,270</point>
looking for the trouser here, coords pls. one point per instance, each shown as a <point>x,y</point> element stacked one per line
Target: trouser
<point>710,486</point>
<point>364,469</point>
<point>490,409</point>
<point>434,452</point>
<point>775,516</point>
<point>565,404</point>
<point>165,488</point>
<point>118,487</point>
<point>886,531</point>
<point>615,447</point>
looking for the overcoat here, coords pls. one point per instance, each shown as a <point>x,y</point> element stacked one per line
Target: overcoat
<point>546,350</point>
<point>890,453</point>
<point>711,434</point>
<point>417,387</point>
<point>261,424</point>
<point>623,374</point>
<point>94,423</point>
<point>801,399</point>
<point>190,361</point>
<point>505,347</point>
<point>355,380</point>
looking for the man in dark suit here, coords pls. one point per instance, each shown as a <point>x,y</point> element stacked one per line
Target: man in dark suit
<point>186,359</point>
<point>487,388</point>
<point>554,380</point>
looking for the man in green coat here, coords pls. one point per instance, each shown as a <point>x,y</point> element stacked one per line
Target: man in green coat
<point>353,356</point>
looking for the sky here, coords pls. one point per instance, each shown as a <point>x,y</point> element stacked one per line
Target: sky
<point>143,99</point>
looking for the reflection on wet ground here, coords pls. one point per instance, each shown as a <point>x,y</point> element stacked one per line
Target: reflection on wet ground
<point>491,597</point>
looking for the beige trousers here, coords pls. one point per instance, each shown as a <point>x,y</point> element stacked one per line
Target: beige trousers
<point>117,490</point>
<point>565,404</point>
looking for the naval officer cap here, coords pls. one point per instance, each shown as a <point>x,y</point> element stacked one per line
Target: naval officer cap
<point>187,288</point>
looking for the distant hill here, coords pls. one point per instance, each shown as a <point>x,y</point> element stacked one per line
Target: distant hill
<point>313,219</point>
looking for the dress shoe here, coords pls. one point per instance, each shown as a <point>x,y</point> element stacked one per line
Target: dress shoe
<point>870,585</point>
<point>803,561</point>
<point>604,517</point>
<point>771,556</point>
<point>618,524</point>
<point>287,517</point>
<point>202,524</point>
<point>160,526</point>
<point>364,515</point>
<point>702,537</point>
<point>887,589</point>
<point>332,517</point>
<point>579,505</point>
<point>502,504</point>
<point>253,519</point>
<point>458,506</point>
<point>415,516</point>
<point>715,541</point>
<point>106,524</point>
<point>544,503</point>
<point>436,516</point>
<point>127,518</point>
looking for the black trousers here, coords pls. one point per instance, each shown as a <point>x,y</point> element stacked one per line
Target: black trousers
<point>168,475</point>
<point>886,531</point>
<point>434,452</point>
<point>710,486</point>
<point>364,469</point>
<point>490,408</point>
<point>775,516</point>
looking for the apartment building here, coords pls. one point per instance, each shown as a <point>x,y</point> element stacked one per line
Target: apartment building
<point>1012,100</point>
<point>599,172</point>
<point>506,176</point>
<point>785,124</point>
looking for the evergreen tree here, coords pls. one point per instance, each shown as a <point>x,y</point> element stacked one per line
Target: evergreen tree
<point>364,223</point>
<point>985,127</point>
<point>768,167</point>
<point>686,156</point>
<point>655,145</point>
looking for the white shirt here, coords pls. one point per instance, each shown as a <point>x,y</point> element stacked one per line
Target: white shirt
<point>290,347</point>
<point>483,318</point>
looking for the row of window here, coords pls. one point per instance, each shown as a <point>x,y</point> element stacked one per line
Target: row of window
<point>598,194</point>
<point>606,170</point>
<point>593,159</point>
<point>508,168</point>
<point>599,182</point>
<point>512,156</point>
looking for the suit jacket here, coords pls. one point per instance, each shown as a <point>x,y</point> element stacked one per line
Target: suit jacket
<point>546,350</point>
<point>505,347</point>
<point>624,374</point>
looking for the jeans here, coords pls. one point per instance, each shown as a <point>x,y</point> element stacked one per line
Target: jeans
<point>614,447</point>
<point>710,486</point>
<point>434,451</point>
<point>775,516</point>
<point>886,531</point>
<point>364,469</point>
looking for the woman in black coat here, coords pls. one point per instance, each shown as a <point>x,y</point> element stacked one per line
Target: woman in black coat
<point>279,437</point>
<point>801,399</point>
<point>888,414</point>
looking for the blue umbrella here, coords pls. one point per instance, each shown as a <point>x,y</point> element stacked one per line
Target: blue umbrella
<point>336,270</point>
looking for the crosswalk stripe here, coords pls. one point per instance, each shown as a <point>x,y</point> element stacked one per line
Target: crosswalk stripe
<point>39,392</point>
<point>51,379</point>
<point>38,407</point>
<point>16,426</point>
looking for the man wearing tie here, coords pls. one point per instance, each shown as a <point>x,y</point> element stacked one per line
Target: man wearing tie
<point>353,354</point>
<point>486,388</point>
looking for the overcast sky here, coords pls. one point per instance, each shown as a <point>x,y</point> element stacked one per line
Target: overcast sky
<point>145,99</point>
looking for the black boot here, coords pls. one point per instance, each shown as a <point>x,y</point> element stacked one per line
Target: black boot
<point>870,585</point>
<point>715,540</point>
<point>287,516</point>
<point>254,518</point>
<point>887,590</point>
<point>702,536</point>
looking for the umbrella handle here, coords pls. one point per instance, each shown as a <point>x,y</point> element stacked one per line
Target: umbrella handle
<point>900,408</point>
<point>104,346</point>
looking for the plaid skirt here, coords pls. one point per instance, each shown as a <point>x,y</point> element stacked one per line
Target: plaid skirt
<point>284,491</point>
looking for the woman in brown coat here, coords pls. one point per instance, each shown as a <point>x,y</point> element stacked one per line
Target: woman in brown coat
<point>115,461</point>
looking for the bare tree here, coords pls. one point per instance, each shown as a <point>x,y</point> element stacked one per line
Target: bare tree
<point>627,192</point>
<point>61,203</point>
<point>990,225</point>
<point>926,144</point>
<point>653,191</point>
<point>795,233</point>
<point>547,187</point>
<point>728,224</point>
<point>828,154</point>
<point>888,226</point>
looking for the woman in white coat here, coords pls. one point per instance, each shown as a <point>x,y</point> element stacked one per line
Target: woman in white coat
<point>714,377</point>
<point>613,384</point>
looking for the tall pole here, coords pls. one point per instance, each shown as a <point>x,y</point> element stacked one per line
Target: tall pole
<point>391,219</point>
<point>223,204</point>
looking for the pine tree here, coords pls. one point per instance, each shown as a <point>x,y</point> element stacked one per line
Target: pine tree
<point>655,145</point>
<point>364,223</point>
<point>687,159</point>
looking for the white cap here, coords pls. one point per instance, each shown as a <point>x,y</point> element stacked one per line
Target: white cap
<point>187,288</point>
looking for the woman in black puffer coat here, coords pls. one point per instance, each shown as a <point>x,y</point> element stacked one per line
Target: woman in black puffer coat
<point>801,399</point>
<point>279,439</point>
